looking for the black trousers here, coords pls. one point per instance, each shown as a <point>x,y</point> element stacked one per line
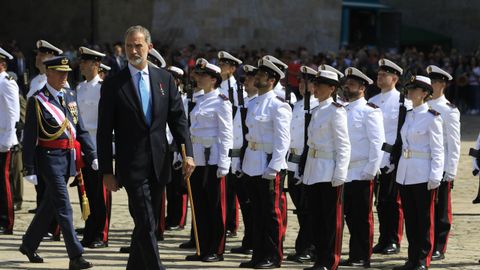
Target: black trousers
<point>389,210</point>
<point>298,194</point>
<point>144,202</point>
<point>232,203</point>
<point>100,201</point>
<point>176,200</point>
<point>243,195</point>
<point>359,217</point>
<point>267,219</point>
<point>209,197</point>
<point>6,193</point>
<point>418,204</point>
<point>326,208</point>
<point>443,217</point>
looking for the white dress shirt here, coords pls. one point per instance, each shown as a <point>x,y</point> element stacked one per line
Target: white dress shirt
<point>421,133</point>
<point>389,103</point>
<point>211,122</point>
<point>268,121</point>
<point>477,146</point>
<point>146,76</point>
<point>366,133</point>
<point>9,111</point>
<point>88,95</point>
<point>451,132</point>
<point>328,135</point>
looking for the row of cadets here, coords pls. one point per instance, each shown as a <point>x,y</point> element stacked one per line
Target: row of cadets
<point>95,233</point>
<point>268,121</point>
<point>303,244</point>
<point>212,138</point>
<point>9,116</point>
<point>230,88</point>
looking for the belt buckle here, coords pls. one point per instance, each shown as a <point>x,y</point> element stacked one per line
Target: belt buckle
<point>253,146</point>
<point>314,153</point>
<point>406,154</point>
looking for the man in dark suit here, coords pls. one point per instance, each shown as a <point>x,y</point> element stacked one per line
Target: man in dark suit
<point>136,104</point>
<point>54,137</point>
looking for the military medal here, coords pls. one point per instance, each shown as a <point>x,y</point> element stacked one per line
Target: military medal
<point>72,108</point>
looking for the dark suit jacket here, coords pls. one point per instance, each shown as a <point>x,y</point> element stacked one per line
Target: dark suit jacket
<point>140,150</point>
<point>58,160</point>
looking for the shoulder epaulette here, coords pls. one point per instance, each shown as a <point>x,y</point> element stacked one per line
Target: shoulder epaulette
<point>451,105</point>
<point>432,111</point>
<point>8,77</point>
<point>338,105</point>
<point>372,105</point>
<point>281,99</point>
<point>222,96</point>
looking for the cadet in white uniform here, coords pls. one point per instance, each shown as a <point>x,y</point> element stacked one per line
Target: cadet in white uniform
<point>420,172</point>
<point>155,58</point>
<point>95,234</point>
<point>45,51</point>
<point>389,209</point>
<point>303,243</point>
<point>366,133</point>
<point>211,131</point>
<point>476,168</point>
<point>230,88</point>
<point>326,170</point>
<point>9,116</point>
<point>242,182</point>
<point>451,141</point>
<point>268,122</point>
<point>279,89</point>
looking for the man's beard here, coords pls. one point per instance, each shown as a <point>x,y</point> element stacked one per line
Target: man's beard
<point>135,60</point>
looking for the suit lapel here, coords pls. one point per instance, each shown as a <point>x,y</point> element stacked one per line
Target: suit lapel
<point>157,90</point>
<point>131,93</point>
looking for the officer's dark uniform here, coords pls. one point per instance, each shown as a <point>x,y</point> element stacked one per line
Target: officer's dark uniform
<point>49,153</point>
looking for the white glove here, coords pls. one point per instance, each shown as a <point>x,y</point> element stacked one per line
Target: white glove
<point>177,161</point>
<point>31,178</point>
<point>4,148</point>
<point>390,167</point>
<point>432,184</point>
<point>95,165</point>
<point>448,177</point>
<point>269,174</point>
<point>236,168</point>
<point>366,176</point>
<point>337,182</point>
<point>221,172</point>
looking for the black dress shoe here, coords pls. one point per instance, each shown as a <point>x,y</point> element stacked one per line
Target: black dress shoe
<point>212,258</point>
<point>174,228</point>
<point>242,250</point>
<point>420,267</point>
<point>194,257</point>
<point>55,237</point>
<point>79,263</point>
<point>4,230</point>
<point>299,257</point>
<point>32,211</point>
<point>391,249</point>
<point>98,244</point>
<point>316,267</point>
<point>125,249</point>
<point>187,245</point>
<point>437,256</point>
<point>160,238</point>
<point>266,264</point>
<point>248,264</point>
<point>476,200</point>
<point>80,231</point>
<point>17,207</point>
<point>33,257</point>
<point>378,248</point>
<point>356,263</point>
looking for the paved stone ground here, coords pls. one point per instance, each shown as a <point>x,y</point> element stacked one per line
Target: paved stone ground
<point>463,249</point>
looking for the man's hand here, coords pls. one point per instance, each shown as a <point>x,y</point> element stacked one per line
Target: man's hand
<point>337,182</point>
<point>31,178</point>
<point>432,184</point>
<point>188,167</point>
<point>447,177</point>
<point>269,174</point>
<point>390,169</point>
<point>110,182</point>
<point>4,148</point>
<point>221,172</point>
<point>95,165</point>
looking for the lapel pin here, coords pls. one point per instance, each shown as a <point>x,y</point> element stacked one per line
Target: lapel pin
<point>161,89</point>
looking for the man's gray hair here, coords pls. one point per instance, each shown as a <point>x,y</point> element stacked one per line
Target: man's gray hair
<point>141,29</point>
